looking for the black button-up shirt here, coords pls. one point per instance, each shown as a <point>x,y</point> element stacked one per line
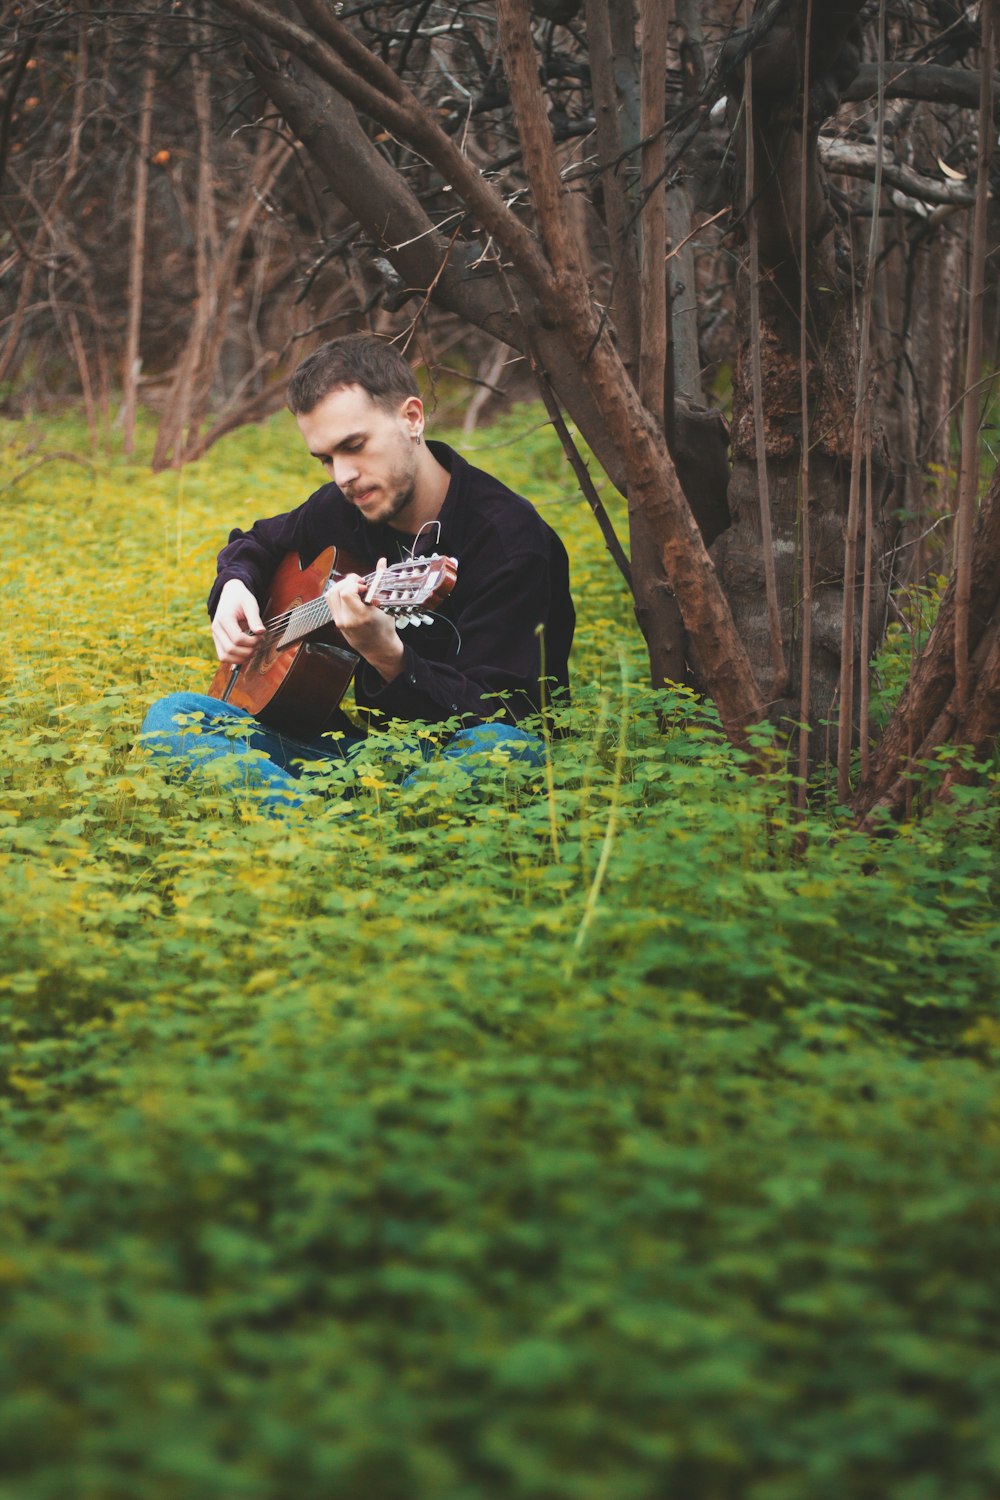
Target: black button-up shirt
<point>508,621</point>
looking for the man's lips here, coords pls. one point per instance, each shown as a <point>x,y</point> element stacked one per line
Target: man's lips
<point>358,497</point>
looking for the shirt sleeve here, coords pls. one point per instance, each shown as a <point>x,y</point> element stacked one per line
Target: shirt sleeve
<point>497,667</point>
<point>252,556</point>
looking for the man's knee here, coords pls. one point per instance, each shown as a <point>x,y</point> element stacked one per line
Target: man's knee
<point>165,712</point>
<point>509,740</point>
<point>187,724</point>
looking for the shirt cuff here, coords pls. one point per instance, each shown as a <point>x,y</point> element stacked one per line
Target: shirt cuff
<point>411,693</point>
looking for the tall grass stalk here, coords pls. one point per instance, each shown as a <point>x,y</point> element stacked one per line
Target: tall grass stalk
<point>593,895</point>
<point>550,782</point>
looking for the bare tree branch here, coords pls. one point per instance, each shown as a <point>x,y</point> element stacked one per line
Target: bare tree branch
<point>856,159</point>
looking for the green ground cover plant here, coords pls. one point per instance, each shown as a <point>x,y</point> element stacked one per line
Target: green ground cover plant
<point>594,1138</point>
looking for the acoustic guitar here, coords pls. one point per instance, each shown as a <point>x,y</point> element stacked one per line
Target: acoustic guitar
<point>302,665</point>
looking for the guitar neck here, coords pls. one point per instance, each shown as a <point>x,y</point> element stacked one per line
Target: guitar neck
<point>306,618</point>
<point>406,590</point>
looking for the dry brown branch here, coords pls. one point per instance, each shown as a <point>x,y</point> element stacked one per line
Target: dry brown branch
<point>977,731</point>
<point>856,159</point>
<point>170,438</point>
<point>370,85</point>
<point>979,726</point>
<point>925,81</point>
<point>579,467</point>
<point>56,456</point>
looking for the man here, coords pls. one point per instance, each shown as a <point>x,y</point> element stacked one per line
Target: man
<point>391,495</point>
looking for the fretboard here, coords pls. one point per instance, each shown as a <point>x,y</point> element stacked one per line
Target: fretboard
<point>304,620</point>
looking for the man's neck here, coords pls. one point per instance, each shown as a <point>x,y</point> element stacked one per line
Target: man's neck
<point>429,490</point>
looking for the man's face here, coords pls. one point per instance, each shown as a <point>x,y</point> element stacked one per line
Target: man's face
<point>366,450</point>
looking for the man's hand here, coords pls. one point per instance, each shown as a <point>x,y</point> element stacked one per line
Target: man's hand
<point>367,630</point>
<point>237,623</point>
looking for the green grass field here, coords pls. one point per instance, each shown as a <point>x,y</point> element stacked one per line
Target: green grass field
<point>584,1141</point>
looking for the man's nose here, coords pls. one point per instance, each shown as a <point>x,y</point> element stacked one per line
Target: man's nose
<point>345,469</point>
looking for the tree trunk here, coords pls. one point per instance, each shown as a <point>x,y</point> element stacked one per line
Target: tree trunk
<point>917,726</point>
<point>786,186</point>
<point>654,491</point>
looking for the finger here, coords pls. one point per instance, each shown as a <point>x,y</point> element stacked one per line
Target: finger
<point>227,632</point>
<point>251,616</point>
<point>343,599</point>
<point>233,653</point>
<point>349,587</point>
<point>232,644</point>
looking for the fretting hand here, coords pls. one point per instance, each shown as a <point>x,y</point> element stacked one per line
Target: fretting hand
<point>367,630</point>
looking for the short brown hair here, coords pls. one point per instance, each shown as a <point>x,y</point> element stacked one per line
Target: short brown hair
<point>358,359</point>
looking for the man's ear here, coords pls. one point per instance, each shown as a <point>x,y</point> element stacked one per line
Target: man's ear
<point>412,412</point>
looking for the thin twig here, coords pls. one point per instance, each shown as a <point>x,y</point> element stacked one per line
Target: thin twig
<point>584,480</point>
<point>70,458</point>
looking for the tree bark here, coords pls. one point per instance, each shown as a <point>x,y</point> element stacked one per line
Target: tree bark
<point>931,682</point>
<point>788,190</point>
<point>624,265</point>
<point>653,487</point>
<point>969,463</point>
<point>979,726</point>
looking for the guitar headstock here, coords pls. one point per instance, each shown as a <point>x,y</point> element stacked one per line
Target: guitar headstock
<point>410,590</point>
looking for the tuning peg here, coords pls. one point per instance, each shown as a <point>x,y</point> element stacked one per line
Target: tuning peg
<point>402,621</point>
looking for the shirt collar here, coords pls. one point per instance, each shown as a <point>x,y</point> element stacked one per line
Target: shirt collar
<point>446,535</point>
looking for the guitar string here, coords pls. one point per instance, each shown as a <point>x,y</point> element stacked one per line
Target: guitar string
<point>314,610</point>
<point>277,625</point>
<point>272,638</point>
<point>279,622</point>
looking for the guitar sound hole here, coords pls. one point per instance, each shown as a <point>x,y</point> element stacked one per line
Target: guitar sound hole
<point>267,659</point>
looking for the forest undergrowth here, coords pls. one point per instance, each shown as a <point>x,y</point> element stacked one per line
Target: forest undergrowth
<point>604,1135</point>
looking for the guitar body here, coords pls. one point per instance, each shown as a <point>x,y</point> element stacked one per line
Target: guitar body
<point>296,689</point>
<point>302,665</point>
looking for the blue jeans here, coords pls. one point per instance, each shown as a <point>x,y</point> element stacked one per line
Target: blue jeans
<point>194,729</point>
